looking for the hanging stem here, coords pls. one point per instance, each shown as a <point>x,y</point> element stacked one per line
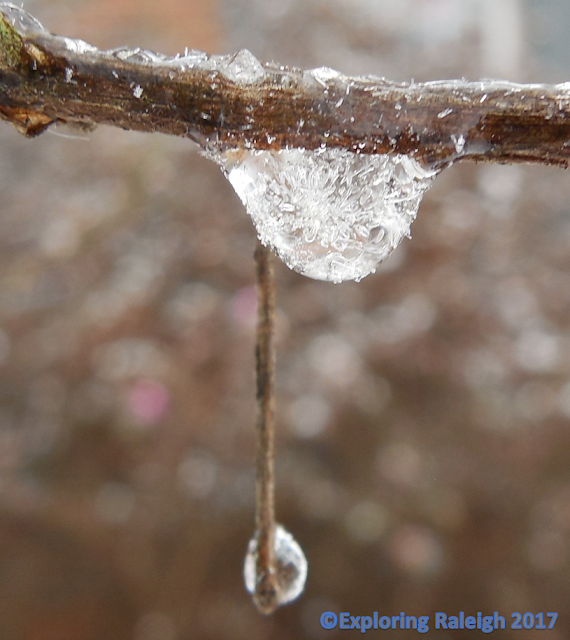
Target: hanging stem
<point>265,595</point>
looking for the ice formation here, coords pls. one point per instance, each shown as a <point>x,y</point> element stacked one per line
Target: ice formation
<point>21,20</point>
<point>329,214</point>
<point>291,566</point>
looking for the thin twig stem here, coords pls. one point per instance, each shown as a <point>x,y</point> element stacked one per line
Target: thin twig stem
<point>46,79</point>
<point>266,592</point>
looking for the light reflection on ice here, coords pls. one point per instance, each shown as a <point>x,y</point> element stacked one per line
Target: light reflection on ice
<point>330,214</point>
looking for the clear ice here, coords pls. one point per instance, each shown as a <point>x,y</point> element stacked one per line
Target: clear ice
<point>22,21</point>
<point>329,214</point>
<point>242,68</point>
<point>291,565</point>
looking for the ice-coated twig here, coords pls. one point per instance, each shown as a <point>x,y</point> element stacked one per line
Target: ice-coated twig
<point>239,102</point>
<point>265,594</point>
<point>275,567</point>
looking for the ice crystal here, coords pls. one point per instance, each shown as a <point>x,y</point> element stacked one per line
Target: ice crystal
<point>459,142</point>
<point>242,68</point>
<point>77,46</point>
<point>329,214</point>
<point>322,75</point>
<point>144,56</point>
<point>291,566</point>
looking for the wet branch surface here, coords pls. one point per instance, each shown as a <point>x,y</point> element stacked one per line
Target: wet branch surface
<point>265,595</point>
<point>45,79</point>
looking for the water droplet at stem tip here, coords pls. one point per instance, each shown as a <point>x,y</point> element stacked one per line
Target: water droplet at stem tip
<point>275,567</point>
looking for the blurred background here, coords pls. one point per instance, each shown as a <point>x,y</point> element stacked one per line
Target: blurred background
<point>423,457</point>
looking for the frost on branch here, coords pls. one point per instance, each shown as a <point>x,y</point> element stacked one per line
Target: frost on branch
<point>238,101</point>
<point>331,168</point>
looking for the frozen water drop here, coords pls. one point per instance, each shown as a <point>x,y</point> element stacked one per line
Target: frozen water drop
<point>290,571</point>
<point>329,214</point>
<point>242,67</point>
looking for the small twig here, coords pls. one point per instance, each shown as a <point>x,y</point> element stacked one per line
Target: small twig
<point>238,101</point>
<point>266,593</point>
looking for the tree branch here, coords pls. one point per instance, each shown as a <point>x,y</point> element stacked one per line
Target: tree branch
<point>237,101</point>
